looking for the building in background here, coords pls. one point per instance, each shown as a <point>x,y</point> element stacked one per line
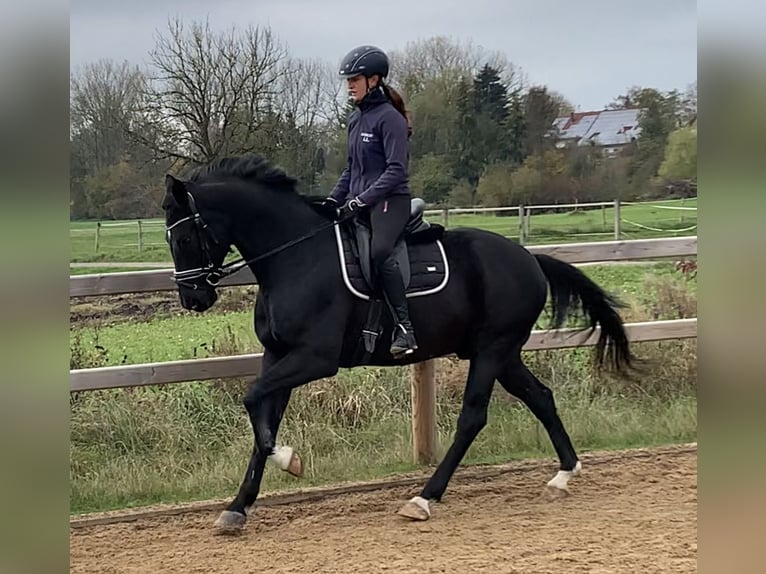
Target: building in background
<point>610,130</point>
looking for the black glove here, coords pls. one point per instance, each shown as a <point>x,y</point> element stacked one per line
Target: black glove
<point>351,208</point>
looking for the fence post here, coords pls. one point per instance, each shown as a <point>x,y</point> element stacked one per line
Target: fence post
<point>424,412</point>
<point>528,224</point>
<point>140,237</point>
<point>445,217</point>
<point>98,232</point>
<point>617,232</point>
<point>522,238</point>
<point>603,218</point>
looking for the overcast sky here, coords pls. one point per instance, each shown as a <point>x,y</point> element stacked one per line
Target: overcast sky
<point>590,51</point>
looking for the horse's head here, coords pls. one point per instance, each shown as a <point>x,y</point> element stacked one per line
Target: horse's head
<point>198,246</point>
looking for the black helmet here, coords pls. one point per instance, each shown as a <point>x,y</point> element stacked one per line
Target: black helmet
<point>366,61</point>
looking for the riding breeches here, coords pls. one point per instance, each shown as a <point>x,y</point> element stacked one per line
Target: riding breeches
<point>387,220</point>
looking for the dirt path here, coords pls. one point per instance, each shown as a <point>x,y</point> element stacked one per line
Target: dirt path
<point>634,513</point>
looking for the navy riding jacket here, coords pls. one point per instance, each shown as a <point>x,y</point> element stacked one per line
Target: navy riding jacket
<point>377,152</point>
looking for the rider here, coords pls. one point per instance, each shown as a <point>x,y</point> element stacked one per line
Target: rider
<point>374,184</point>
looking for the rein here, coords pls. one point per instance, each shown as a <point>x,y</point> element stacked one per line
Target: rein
<point>234,266</point>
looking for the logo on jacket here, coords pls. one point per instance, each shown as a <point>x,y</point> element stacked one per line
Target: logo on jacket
<point>366,137</point>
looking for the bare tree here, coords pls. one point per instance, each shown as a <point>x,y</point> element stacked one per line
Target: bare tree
<point>103,100</point>
<point>310,93</point>
<point>306,116</point>
<point>211,92</point>
<point>423,61</point>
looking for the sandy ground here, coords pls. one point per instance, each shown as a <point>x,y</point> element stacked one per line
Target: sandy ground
<point>632,513</point>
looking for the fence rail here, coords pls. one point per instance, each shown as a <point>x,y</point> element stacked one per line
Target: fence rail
<point>423,383</point>
<point>249,365</point>
<point>159,280</point>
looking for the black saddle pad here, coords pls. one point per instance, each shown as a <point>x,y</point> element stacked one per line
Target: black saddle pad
<point>421,258</point>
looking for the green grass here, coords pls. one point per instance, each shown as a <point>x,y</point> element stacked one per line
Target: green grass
<point>193,442</point>
<point>119,243</point>
<point>160,339</point>
<point>184,442</point>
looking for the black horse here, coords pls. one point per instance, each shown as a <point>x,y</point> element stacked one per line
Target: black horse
<point>310,322</point>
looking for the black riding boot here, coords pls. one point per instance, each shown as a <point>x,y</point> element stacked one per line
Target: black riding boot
<point>403,337</point>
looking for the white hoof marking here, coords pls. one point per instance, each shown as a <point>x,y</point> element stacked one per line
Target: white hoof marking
<point>282,456</point>
<point>422,503</point>
<point>561,480</point>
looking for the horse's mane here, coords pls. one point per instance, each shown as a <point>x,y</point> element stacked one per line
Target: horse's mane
<point>250,167</point>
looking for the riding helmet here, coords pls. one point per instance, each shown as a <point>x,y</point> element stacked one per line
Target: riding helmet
<point>366,61</point>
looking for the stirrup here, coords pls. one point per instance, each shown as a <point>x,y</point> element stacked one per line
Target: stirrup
<point>406,347</point>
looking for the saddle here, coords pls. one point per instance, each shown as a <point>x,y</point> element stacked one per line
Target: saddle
<point>419,254</point>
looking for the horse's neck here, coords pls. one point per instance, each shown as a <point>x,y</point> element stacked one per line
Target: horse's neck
<point>266,221</point>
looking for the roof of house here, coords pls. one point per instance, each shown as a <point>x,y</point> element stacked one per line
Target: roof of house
<point>604,128</point>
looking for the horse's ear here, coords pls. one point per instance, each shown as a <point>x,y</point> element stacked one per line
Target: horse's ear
<point>177,188</point>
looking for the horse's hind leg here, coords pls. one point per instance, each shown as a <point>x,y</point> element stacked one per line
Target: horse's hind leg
<point>519,381</point>
<point>473,417</point>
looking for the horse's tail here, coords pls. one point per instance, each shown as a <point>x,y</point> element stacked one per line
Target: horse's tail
<point>571,288</point>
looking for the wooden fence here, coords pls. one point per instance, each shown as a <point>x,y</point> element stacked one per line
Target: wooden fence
<point>520,230</point>
<point>423,383</point>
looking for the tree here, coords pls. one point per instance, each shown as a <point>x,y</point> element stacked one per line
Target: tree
<point>303,119</point>
<point>660,114</point>
<point>542,179</point>
<point>516,129</point>
<point>106,110</point>
<point>494,187</point>
<point>211,93</point>
<point>122,191</point>
<point>680,161</point>
<point>461,195</point>
<point>490,94</point>
<point>424,60</point>
<point>432,179</point>
<point>435,119</point>
<point>688,105</point>
<point>482,113</point>
<point>540,109</point>
<point>104,101</point>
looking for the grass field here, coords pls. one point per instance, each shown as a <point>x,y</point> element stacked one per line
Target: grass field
<point>191,441</point>
<point>119,243</point>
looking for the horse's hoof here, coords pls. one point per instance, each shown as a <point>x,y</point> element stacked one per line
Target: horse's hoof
<point>295,467</point>
<point>230,523</point>
<point>558,487</point>
<point>416,509</point>
<point>288,460</point>
<point>553,493</point>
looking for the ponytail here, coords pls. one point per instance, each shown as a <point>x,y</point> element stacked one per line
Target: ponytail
<point>398,102</point>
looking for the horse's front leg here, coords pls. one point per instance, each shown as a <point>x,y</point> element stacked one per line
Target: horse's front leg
<point>232,520</point>
<point>296,368</point>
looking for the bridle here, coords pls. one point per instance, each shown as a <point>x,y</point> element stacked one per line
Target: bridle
<point>212,272</point>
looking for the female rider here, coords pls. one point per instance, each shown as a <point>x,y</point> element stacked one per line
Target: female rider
<point>374,184</point>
